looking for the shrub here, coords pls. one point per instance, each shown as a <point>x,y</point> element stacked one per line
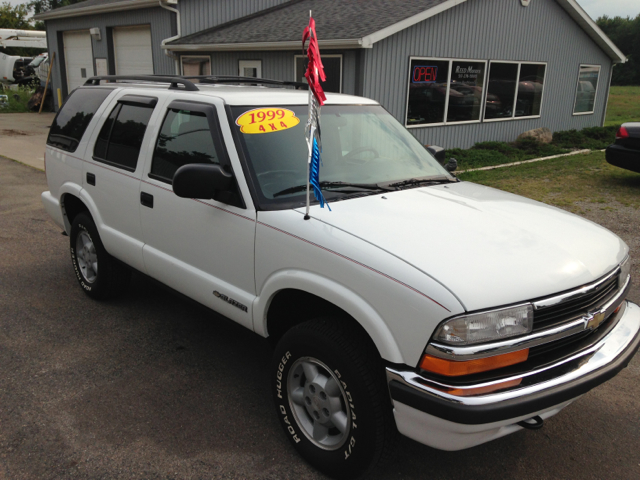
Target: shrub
<point>18,100</point>
<point>595,138</point>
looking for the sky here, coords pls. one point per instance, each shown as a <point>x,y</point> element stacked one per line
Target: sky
<point>595,8</point>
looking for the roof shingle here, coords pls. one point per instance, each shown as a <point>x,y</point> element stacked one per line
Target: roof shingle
<point>335,20</point>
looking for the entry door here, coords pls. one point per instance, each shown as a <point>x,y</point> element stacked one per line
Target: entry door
<point>78,57</point>
<point>201,248</point>
<point>132,49</point>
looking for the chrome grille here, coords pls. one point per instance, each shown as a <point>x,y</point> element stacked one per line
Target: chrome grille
<point>575,306</point>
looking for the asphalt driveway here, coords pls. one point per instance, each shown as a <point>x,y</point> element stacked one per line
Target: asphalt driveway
<point>154,386</point>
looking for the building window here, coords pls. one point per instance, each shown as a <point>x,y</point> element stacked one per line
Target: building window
<point>587,88</point>
<point>195,65</point>
<point>444,91</point>
<point>250,68</point>
<point>332,69</point>
<point>514,90</point>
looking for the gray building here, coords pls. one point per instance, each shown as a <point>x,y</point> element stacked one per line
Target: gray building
<point>455,72</point>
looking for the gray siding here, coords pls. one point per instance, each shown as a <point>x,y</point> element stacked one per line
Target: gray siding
<point>162,26</point>
<point>197,15</point>
<point>279,65</point>
<point>492,30</point>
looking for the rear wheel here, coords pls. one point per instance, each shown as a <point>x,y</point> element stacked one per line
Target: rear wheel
<point>100,275</point>
<point>331,397</point>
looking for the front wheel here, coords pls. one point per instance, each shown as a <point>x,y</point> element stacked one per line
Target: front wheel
<point>331,398</point>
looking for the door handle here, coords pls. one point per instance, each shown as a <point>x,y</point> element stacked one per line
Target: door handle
<point>91,179</point>
<point>146,199</point>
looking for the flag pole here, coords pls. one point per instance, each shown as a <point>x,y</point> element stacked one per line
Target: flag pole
<point>306,216</point>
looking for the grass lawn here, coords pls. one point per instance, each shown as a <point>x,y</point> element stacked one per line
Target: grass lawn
<point>567,182</point>
<point>623,106</point>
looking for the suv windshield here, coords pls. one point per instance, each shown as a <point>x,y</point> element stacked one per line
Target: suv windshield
<point>363,147</point>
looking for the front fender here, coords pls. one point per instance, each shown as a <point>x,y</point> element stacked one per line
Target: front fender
<point>335,293</point>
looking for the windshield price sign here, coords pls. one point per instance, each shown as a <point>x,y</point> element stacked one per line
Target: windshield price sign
<point>424,74</point>
<point>267,120</point>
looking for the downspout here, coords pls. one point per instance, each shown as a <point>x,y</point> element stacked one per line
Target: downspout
<point>175,37</point>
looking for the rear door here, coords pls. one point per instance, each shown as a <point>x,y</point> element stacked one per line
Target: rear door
<point>112,172</point>
<point>202,248</point>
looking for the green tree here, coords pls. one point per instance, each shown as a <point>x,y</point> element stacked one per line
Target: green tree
<point>625,33</point>
<point>40,6</point>
<point>16,18</point>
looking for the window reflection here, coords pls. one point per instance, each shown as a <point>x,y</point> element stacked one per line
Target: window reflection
<point>530,90</point>
<point>465,91</point>
<point>427,91</point>
<point>587,87</point>
<point>501,91</point>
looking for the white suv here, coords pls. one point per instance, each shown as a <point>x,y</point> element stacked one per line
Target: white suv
<point>448,311</point>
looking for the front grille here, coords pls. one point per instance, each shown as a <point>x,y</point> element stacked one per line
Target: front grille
<point>547,317</point>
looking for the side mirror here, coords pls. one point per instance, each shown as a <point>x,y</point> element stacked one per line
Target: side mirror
<point>451,165</point>
<point>201,180</point>
<point>437,152</point>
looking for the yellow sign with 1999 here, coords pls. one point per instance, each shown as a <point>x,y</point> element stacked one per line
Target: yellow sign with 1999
<point>267,120</point>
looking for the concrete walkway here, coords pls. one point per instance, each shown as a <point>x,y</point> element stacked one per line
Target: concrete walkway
<point>23,137</point>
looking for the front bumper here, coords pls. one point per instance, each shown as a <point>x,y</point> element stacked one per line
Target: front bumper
<point>541,392</point>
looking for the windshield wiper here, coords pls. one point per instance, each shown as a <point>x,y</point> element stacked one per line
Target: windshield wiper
<point>422,181</point>
<point>335,187</point>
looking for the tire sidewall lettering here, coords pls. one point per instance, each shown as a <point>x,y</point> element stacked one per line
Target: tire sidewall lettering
<point>288,419</point>
<point>74,260</point>
<point>283,409</point>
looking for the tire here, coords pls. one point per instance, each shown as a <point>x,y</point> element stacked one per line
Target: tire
<point>331,397</point>
<point>100,275</point>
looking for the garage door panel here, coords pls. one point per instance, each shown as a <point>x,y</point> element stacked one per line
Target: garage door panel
<point>132,48</point>
<point>78,56</point>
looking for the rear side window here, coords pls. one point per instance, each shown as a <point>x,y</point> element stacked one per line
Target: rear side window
<point>120,138</point>
<point>185,138</point>
<point>74,117</point>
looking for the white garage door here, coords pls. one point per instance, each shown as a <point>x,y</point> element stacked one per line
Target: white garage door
<point>78,57</point>
<point>132,48</point>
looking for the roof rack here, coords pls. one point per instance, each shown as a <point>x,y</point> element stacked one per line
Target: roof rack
<point>174,81</point>
<point>212,79</point>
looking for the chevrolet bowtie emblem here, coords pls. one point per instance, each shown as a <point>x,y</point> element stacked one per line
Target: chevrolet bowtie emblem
<point>594,320</point>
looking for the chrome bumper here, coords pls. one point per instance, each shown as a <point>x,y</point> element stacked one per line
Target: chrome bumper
<point>530,392</point>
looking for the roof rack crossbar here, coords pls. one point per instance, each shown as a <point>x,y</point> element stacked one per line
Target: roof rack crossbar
<point>174,81</point>
<point>235,79</point>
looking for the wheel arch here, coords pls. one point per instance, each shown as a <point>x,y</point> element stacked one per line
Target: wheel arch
<point>73,202</point>
<point>292,297</point>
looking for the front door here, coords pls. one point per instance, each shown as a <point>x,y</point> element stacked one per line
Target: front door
<point>202,248</point>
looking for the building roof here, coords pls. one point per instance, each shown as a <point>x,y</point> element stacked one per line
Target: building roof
<point>339,23</point>
<point>93,7</point>
<point>345,24</point>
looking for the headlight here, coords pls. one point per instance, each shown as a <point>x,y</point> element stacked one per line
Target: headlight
<point>486,327</point>
<point>625,270</point>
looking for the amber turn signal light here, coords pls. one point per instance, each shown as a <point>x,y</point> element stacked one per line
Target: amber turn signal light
<point>450,368</point>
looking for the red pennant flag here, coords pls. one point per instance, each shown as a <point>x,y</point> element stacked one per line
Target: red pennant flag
<point>315,70</point>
